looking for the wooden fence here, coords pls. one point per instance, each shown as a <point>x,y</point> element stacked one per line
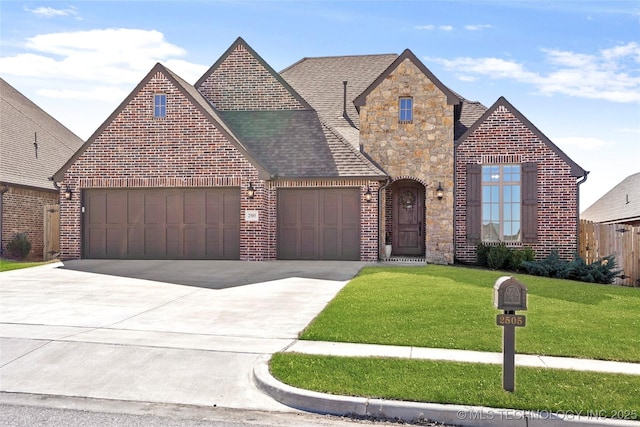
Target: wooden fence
<point>51,232</point>
<point>623,241</point>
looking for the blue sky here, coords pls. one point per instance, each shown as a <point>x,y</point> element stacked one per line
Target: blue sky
<point>571,67</point>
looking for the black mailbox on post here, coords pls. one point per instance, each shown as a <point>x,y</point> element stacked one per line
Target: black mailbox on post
<point>509,294</point>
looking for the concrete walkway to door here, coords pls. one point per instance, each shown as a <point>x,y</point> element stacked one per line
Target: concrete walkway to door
<point>88,329</point>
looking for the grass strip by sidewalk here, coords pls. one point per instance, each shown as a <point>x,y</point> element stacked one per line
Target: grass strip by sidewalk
<point>452,307</point>
<point>8,265</point>
<point>608,395</point>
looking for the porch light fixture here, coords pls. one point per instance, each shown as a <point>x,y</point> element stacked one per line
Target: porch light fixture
<point>440,191</point>
<point>368,195</point>
<point>67,192</point>
<point>251,192</point>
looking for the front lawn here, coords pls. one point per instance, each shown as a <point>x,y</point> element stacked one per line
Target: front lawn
<point>549,390</point>
<point>7,265</point>
<point>452,307</point>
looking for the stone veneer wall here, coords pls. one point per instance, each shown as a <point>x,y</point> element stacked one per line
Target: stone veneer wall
<point>421,150</point>
<point>23,212</point>
<point>503,139</point>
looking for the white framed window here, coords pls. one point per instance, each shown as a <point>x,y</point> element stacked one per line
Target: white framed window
<point>501,203</point>
<point>405,110</point>
<point>159,105</point>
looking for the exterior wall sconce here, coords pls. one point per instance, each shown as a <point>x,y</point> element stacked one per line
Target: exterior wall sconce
<point>67,192</point>
<point>251,192</point>
<point>368,195</point>
<point>440,191</point>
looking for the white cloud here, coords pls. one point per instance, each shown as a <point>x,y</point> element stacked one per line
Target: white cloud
<point>432,27</point>
<point>478,27</point>
<point>102,93</point>
<point>116,57</point>
<point>611,74</point>
<point>49,12</point>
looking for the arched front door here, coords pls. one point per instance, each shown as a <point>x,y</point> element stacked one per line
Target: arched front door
<point>408,217</point>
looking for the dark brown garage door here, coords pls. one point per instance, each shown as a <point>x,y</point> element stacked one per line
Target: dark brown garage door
<point>162,224</point>
<point>319,224</point>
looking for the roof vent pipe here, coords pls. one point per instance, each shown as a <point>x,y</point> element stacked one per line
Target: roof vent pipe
<point>344,100</point>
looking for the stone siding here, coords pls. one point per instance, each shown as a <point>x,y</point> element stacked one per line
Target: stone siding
<point>503,139</point>
<point>421,150</point>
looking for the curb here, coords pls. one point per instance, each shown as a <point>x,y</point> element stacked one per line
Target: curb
<point>413,412</point>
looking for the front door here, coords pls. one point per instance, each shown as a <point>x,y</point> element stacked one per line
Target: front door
<point>408,214</point>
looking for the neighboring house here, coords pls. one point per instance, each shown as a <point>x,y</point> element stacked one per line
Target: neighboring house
<point>621,205</point>
<point>33,147</point>
<point>322,161</point>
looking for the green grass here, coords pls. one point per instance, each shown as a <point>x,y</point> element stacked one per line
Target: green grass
<point>452,307</point>
<point>609,395</point>
<point>7,265</point>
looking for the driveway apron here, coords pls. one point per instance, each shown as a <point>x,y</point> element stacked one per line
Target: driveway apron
<point>70,332</point>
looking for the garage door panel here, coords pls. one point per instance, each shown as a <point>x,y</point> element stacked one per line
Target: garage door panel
<point>319,224</point>
<point>162,224</point>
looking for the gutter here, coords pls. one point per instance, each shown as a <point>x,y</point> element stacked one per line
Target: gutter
<point>581,180</point>
<point>4,190</point>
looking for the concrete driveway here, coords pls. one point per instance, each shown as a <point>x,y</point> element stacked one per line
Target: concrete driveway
<point>100,329</point>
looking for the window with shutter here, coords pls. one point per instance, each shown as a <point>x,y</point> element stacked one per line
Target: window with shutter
<point>501,203</point>
<point>474,202</point>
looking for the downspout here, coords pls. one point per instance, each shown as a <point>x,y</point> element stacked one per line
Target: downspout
<point>381,234</point>
<point>4,190</point>
<point>580,181</point>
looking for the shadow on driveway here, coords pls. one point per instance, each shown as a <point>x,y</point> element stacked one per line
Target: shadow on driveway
<point>218,274</point>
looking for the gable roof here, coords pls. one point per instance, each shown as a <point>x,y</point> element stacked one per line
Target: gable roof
<point>321,82</point>
<point>452,97</point>
<point>23,124</point>
<point>576,170</point>
<point>230,51</point>
<point>296,144</point>
<point>620,204</point>
<point>194,97</point>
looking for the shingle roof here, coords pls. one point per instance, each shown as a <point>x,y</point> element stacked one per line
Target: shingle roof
<point>296,144</point>
<point>320,82</point>
<point>620,204</point>
<point>23,123</point>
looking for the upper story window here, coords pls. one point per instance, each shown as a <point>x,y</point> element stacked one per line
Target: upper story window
<point>160,105</point>
<point>501,203</point>
<point>405,110</point>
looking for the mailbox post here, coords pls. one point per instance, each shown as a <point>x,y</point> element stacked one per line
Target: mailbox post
<point>509,295</point>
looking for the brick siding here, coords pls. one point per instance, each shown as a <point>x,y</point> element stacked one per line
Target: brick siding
<point>557,209</point>
<point>241,82</point>
<point>23,212</point>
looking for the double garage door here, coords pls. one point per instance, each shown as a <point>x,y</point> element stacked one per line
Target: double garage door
<point>313,224</point>
<point>162,224</point>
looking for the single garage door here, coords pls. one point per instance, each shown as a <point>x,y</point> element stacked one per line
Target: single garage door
<point>162,223</point>
<point>321,224</point>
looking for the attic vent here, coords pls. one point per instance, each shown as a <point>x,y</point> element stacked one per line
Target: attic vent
<point>344,100</point>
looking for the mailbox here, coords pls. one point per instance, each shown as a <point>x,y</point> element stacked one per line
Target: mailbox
<point>509,294</point>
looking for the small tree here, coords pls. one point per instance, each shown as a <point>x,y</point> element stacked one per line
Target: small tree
<point>19,246</point>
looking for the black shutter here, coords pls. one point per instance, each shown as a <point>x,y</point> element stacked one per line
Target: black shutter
<point>474,202</point>
<point>529,202</point>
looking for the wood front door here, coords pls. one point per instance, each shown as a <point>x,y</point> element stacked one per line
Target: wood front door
<point>408,214</point>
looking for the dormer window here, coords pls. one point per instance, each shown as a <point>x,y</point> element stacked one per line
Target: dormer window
<point>159,105</point>
<point>405,110</point>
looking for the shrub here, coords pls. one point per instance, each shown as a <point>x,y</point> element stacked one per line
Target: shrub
<point>501,257</point>
<point>601,271</point>
<point>19,246</point>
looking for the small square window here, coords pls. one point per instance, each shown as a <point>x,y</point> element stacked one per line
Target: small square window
<point>406,110</point>
<point>160,105</point>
